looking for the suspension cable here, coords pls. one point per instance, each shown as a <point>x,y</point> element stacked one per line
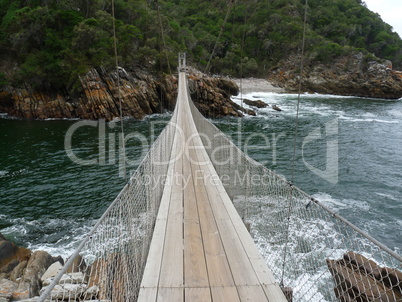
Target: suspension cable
<point>294,144</point>
<point>163,35</point>
<point>243,38</point>
<point>119,92</point>
<point>220,34</point>
<point>299,91</point>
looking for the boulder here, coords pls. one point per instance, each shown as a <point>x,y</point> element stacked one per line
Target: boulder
<point>18,271</point>
<point>257,103</point>
<point>78,265</point>
<point>30,283</point>
<point>228,86</point>
<point>67,291</point>
<point>360,279</point>
<point>72,278</point>
<point>58,259</point>
<point>7,288</point>
<point>9,251</point>
<point>9,266</point>
<point>52,271</point>
<point>392,278</point>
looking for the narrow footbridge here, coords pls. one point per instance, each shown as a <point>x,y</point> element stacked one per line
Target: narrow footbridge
<point>175,232</point>
<point>201,249</point>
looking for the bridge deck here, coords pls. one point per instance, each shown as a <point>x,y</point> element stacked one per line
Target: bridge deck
<point>201,250</point>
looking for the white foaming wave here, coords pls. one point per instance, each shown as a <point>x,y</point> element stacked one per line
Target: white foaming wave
<point>167,114</point>
<point>61,119</point>
<point>367,120</point>
<point>395,113</point>
<point>336,204</point>
<point>308,285</point>
<point>65,246</point>
<point>257,94</point>
<point>387,196</point>
<point>12,174</point>
<point>22,230</point>
<point>239,102</point>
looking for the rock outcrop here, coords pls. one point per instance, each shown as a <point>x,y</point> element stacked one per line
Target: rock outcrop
<point>140,94</point>
<point>360,279</point>
<point>349,75</point>
<point>21,271</point>
<point>257,103</point>
<point>212,97</point>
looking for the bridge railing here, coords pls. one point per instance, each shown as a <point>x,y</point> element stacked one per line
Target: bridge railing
<point>308,247</point>
<point>109,263</point>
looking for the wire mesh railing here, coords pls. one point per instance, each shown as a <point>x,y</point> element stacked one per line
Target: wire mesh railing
<point>308,247</point>
<point>109,263</point>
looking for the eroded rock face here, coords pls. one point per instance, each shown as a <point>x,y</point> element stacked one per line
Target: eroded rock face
<point>350,75</point>
<point>11,256</point>
<point>30,283</point>
<point>7,288</point>
<point>358,278</point>
<point>140,94</point>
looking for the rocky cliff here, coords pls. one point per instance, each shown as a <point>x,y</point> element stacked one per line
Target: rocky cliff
<point>348,75</point>
<point>140,93</point>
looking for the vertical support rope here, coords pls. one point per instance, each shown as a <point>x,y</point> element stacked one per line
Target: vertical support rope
<point>289,210</point>
<point>243,38</point>
<point>299,91</point>
<point>220,34</point>
<point>163,36</point>
<point>119,92</point>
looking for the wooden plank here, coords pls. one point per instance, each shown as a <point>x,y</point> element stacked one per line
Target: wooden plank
<point>217,264</point>
<point>170,295</point>
<point>147,294</point>
<point>240,265</point>
<point>218,268</point>
<point>172,259</point>
<point>225,294</point>
<point>190,201</point>
<point>195,268</point>
<point>262,271</point>
<point>274,292</point>
<point>252,293</point>
<point>154,260</point>
<point>201,294</point>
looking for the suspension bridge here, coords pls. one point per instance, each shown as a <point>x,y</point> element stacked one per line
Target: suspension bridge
<point>174,234</point>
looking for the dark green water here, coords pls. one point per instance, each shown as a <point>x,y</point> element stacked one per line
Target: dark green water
<point>49,202</point>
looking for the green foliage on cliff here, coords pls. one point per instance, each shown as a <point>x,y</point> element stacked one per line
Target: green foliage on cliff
<point>52,42</point>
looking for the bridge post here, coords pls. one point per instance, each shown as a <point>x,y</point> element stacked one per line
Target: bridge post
<point>182,62</point>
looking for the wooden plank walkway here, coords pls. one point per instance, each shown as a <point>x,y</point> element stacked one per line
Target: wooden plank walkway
<point>201,250</point>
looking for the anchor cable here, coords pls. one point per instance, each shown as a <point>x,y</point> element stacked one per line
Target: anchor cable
<point>123,144</point>
<point>294,143</point>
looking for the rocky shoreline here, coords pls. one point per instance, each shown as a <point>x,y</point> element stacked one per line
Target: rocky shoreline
<point>352,75</point>
<point>141,94</point>
<point>25,275</point>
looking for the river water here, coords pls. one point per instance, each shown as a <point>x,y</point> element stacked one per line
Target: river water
<point>348,155</point>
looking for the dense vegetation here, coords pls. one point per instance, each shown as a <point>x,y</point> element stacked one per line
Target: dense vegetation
<point>49,43</point>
